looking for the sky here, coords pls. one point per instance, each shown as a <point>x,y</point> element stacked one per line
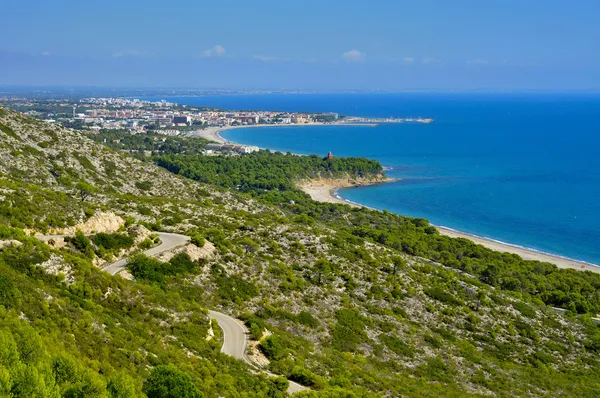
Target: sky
<point>390,45</point>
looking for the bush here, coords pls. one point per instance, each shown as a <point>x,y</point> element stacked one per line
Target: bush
<point>274,347</point>
<point>440,295</point>
<point>112,242</point>
<point>306,318</point>
<point>181,263</point>
<point>304,376</point>
<point>143,185</point>
<point>153,270</point>
<point>349,331</point>
<point>166,381</point>
<point>7,292</point>
<point>81,243</point>
<point>198,240</point>
<point>396,345</point>
<point>146,268</point>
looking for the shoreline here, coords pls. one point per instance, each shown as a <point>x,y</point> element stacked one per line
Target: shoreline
<point>328,193</point>
<point>214,133</point>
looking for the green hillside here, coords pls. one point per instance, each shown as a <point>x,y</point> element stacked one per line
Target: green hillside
<point>349,302</point>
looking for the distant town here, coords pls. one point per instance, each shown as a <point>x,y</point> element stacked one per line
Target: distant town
<point>138,116</point>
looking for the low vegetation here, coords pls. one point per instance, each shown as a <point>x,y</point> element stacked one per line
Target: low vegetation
<point>350,302</point>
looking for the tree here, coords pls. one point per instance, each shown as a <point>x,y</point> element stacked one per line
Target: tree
<point>322,267</point>
<point>7,292</point>
<point>398,262</point>
<point>85,190</point>
<point>166,381</point>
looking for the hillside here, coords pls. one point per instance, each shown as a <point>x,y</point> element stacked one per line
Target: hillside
<point>347,301</point>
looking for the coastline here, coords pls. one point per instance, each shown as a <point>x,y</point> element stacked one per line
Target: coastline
<point>326,191</point>
<point>214,133</point>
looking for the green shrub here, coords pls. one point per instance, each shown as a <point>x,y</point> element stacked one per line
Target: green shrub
<point>81,243</point>
<point>112,241</point>
<point>198,240</point>
<point>524,309</point>
<point>443,296</point>
<point>306,318</point>
<point>349,332</point>
<point>274,347</point>
<point>304,376</point>
<point>166,381</point>
<point>396,345</point>
<point>143,185</point>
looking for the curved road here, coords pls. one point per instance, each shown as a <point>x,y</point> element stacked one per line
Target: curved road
<point>235,334</point>
<point>167,242</point>
<point>235,340</point>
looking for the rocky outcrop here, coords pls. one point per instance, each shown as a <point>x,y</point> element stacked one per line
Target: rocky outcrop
<point>56,265</point>
<point>100,222</point>
<point>9,243</point>
<point>195,252</point>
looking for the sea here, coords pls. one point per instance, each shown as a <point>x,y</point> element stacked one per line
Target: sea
<point>519,168</point>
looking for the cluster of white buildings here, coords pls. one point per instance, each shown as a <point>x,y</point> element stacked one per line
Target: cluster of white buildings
<point>241,149</point>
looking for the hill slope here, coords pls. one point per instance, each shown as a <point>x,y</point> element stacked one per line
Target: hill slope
<point>330,304</point>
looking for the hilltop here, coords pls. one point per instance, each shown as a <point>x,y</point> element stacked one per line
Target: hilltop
<point>347,301</point>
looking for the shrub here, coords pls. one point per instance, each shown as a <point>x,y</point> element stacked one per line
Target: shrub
<point>7,292</point>
<point>81,243</point>
<point>349,331</point>
<point>306,318</point>
<point>524,309</point>
<point>166,381</point>
<point>143,185</point>
<point>441,295</point>
<point>113,241</point>
<point>396,345</point>
<point>303,376</point>
<point>274,347</point>
<point>198,240</point>
<point>181,263</point>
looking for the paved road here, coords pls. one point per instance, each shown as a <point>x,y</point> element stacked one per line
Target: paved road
<point>235,335</point>
<point>168,242</point>
<point>235,340</point>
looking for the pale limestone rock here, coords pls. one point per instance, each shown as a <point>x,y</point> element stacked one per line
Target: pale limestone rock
<point>100,222</point>
<point>195,252</point>
<point>9,243</point>
<point>56,265</point>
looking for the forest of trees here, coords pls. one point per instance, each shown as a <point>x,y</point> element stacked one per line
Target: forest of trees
<point>266,170</point>
<point>271,176</point>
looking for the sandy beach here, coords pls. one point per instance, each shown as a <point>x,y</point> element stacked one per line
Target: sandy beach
<point>324,191</point>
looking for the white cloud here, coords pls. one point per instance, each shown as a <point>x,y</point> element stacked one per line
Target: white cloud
<point>431,60</point>
<point>409,60</point>
<point>265,58</point>
<point>132,53</point>
<point>478,61</point>
<point>354,56</point>
<point>45,53</point>
<point>216,51</point>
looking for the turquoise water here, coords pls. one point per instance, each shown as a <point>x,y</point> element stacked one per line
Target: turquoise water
<point>518,168</point>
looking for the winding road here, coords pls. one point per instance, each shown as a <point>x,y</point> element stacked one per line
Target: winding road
<point>235,335</point>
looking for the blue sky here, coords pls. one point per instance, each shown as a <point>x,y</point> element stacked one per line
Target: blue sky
<point>306,44</point>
